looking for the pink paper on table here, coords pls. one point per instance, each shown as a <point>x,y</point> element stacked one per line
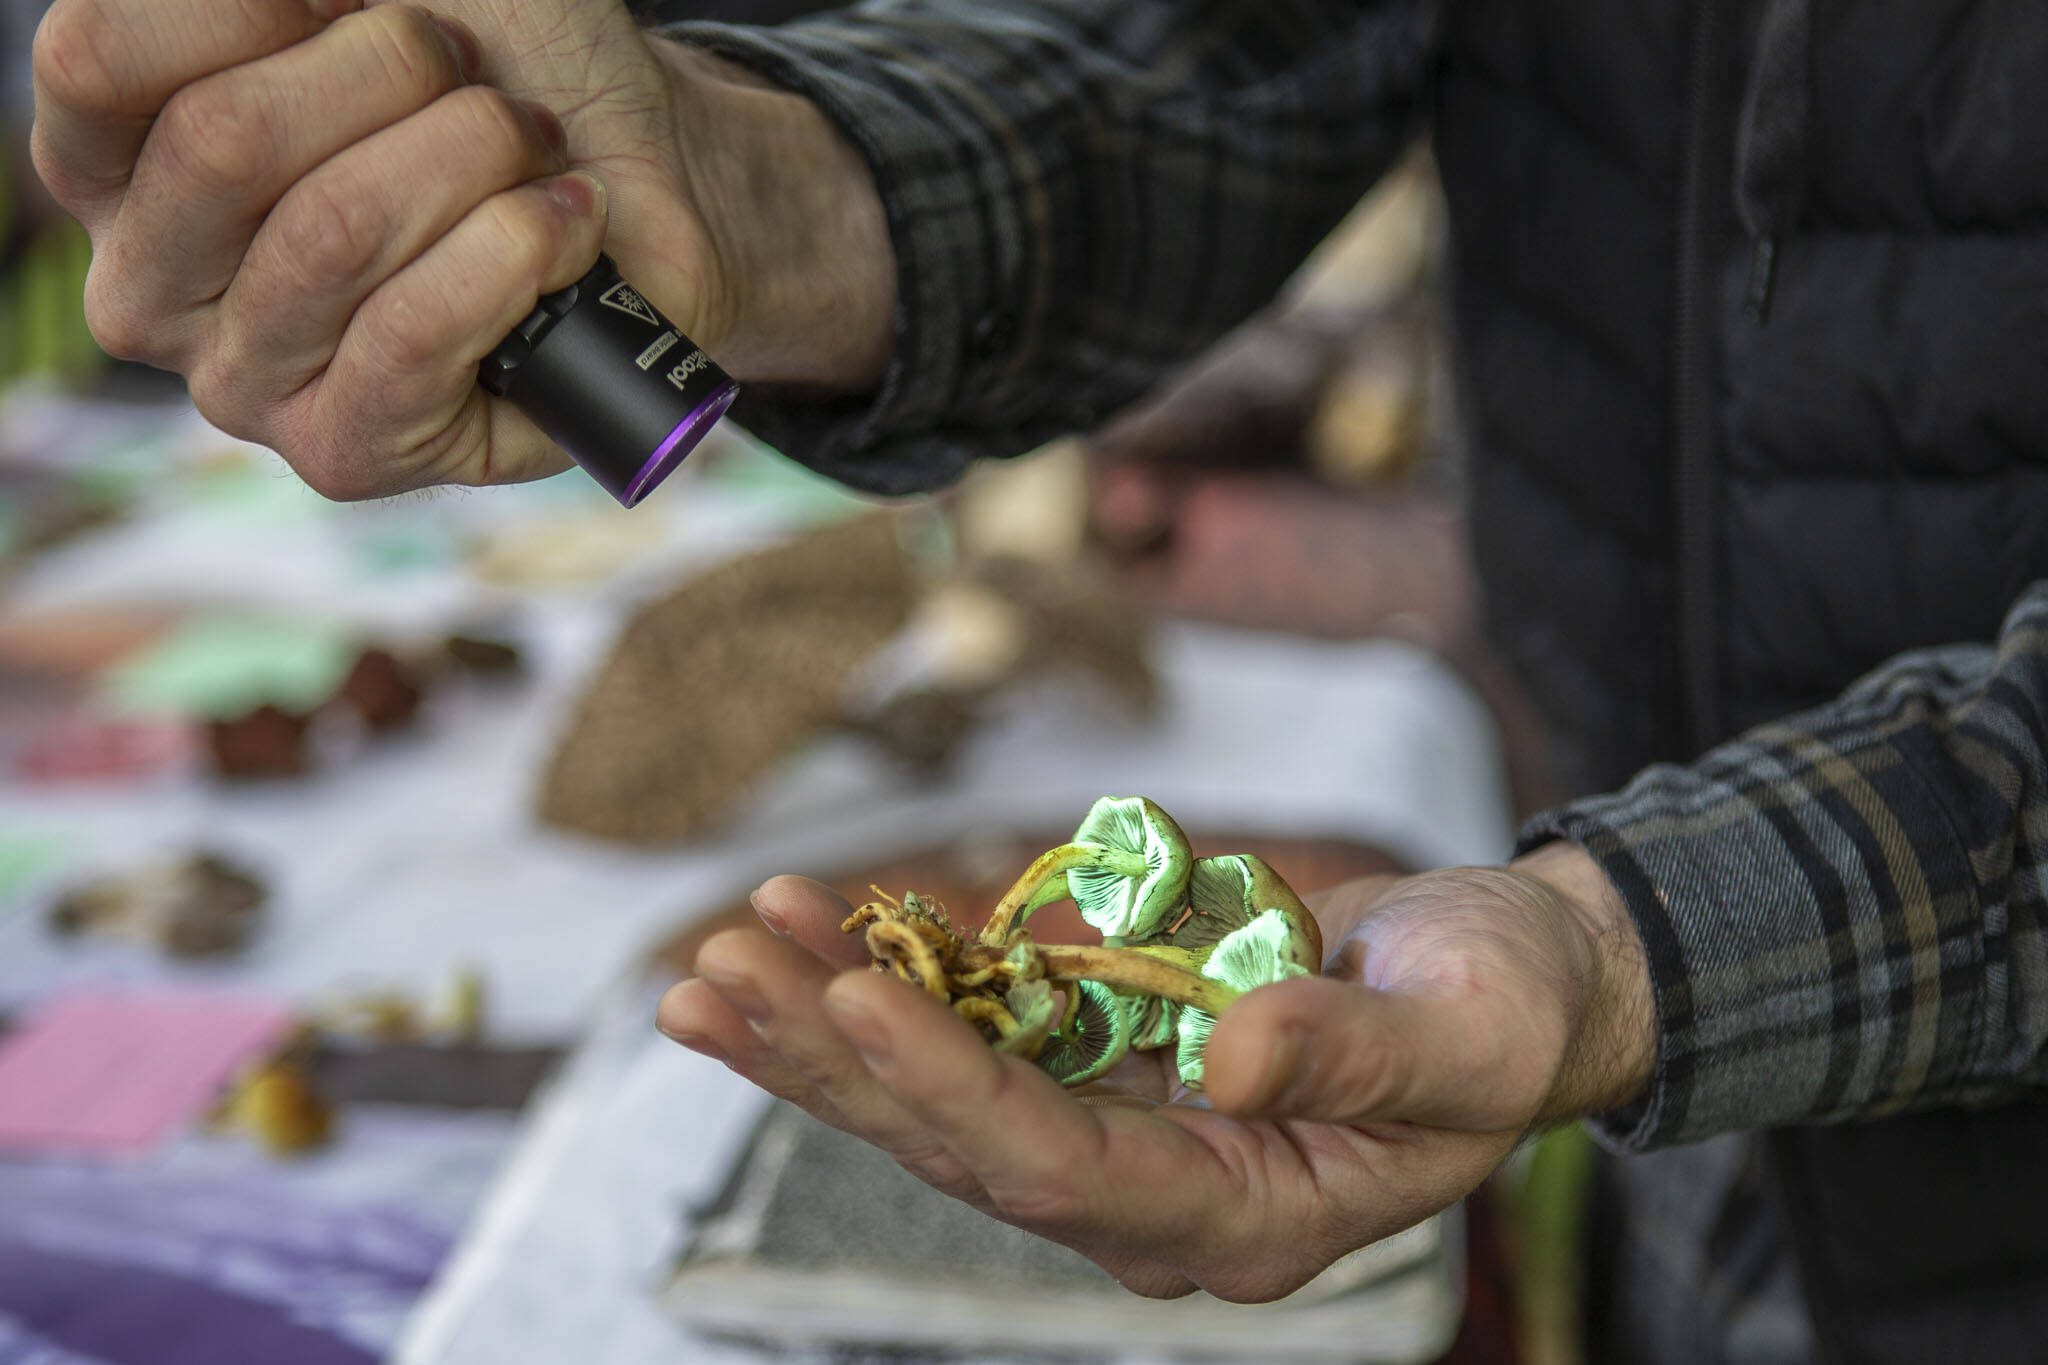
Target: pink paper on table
<point>117,1074</point>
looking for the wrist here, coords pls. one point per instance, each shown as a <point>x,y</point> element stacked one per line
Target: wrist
<point>795,224</point>
<point>1612,1052</point>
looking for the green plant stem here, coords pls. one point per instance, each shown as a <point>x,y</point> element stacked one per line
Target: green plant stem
<point>1047,871</point>
<point>1137,972</point>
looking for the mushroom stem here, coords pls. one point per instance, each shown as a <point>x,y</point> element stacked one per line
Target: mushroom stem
<point>1187,959</point>
<point>909,956</point>
<point>976,1010</point>
<point>1045,881</point>
<point>1137,973</point>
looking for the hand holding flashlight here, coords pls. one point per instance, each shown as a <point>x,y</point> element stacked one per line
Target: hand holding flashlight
<point>332,220</point>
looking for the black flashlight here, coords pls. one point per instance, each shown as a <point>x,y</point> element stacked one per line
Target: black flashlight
<point>611,381</point>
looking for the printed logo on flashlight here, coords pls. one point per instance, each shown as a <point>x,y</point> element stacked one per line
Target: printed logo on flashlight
<point>687,366</point>
<point>626,299</point>
<point>656,349</point>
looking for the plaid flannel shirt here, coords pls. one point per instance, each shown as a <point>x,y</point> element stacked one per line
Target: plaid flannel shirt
<point>1080,195</point>
<point>1843,912</point>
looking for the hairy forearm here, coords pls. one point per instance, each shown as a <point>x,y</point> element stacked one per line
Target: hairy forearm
<point>796,218</point>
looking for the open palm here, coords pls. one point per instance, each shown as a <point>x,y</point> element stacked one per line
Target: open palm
<point>1337,1112</point>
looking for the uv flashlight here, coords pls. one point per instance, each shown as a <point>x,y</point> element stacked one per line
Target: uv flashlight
<point>611,381</point>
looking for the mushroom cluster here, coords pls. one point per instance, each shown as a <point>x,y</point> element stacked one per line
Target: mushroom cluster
<point>1182,938</point>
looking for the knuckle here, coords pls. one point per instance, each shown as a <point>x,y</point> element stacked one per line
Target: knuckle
<point>334,478</point>
<point>329,237</point>
<point>783,1085</point>
<point>943,1175</point>
<point>495,124</point>
<point>213,389</point>
<point>1042,1204</point>
<point>113,316</point>
<point>827,1071</point>
<point>65,185</point>
<point>217,135</point>
<point>75,60</point>
<point>528,232</point>
<point>405,333</point>
<point>408,46</point>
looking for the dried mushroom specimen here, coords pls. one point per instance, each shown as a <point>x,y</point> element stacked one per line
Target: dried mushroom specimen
<point>278,1105</point>
<point>1183,938</point>
<point>268,742</point>
<point>383,692</point>
<point>708,687</point>
<point>199,905</point>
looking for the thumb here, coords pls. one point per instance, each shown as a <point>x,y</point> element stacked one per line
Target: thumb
<point>1338,1052</point>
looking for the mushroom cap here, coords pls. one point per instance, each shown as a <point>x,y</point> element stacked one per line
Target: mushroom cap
<point>1037,1012</point>
<point>1103,1038</point>
<point>1155,1020</point>
<point>1261,953</point>
<point>1132,907</point>
<point>1270,891</point>
<point>1229,892</point>
<point>1195,1027</point>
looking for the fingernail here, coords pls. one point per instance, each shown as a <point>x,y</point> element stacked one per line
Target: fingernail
<point>1281,1065</point>
<point>469,53</point>
<point>550,125</point>
<point>768,917</point>
<point>862,1029</point>
<point>742,995</point>
<point>580,192</point>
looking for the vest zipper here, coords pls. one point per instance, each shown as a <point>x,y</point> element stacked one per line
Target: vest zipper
<point>1695,553</point>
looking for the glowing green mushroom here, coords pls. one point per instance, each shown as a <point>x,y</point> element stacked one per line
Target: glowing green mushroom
<point>1266,951</point>
<point>1098,1038</point>
<point>1126,868</point>
<point>1155,1020</point>
<point>1229,892</point>
<point>1037,1012</point>
<point>1116,900</point>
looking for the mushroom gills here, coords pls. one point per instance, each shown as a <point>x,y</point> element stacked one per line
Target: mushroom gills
<point>1091,1046</point>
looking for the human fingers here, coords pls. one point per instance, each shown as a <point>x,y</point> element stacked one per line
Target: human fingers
<point>399,408</point>
<point>810,913</point>
<point>1117,1184</point>
<point>779,989</point>
<point>366,213</point>
<point>694,1015</point>
<point>227,147</point>
<point>104,69</point>
<point>1341,1052</point>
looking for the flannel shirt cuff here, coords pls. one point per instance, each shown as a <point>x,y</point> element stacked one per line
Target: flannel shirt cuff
<point>1649,1122</point>
<point>952,322</point>
<point>1812,924</point>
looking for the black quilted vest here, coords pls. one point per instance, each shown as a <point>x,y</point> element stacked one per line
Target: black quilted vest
<point>1752,321</point>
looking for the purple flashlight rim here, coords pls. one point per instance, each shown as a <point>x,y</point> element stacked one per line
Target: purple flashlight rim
<point>677,445</point>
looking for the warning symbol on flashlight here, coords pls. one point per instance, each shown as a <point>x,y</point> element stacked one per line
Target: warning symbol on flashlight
<point>626,299</point>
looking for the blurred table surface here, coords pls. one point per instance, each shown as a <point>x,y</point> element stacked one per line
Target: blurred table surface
<point>393,867</point>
